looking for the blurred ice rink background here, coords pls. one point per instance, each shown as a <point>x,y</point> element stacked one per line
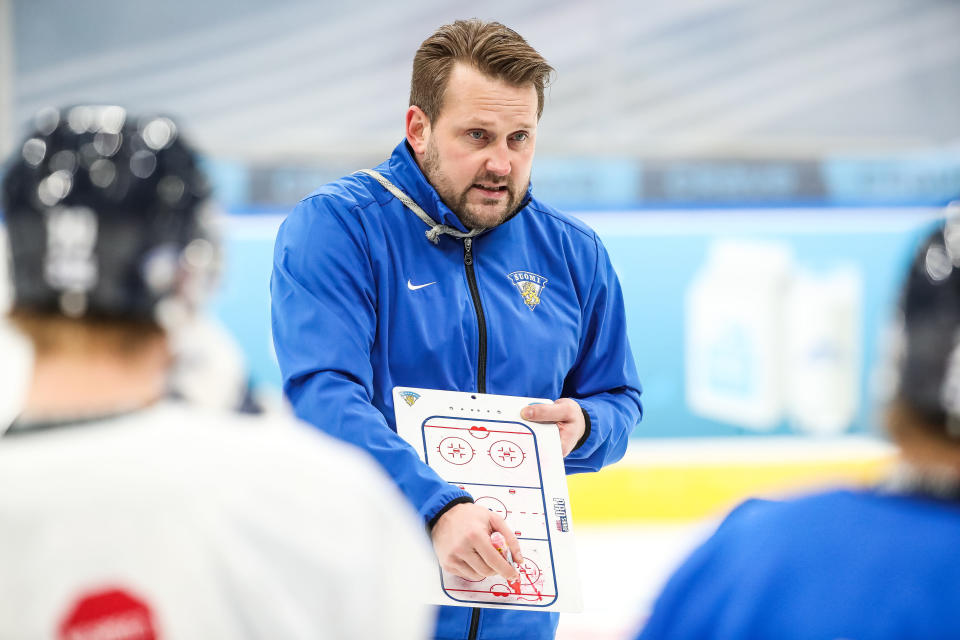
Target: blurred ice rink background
<point>757,170</point>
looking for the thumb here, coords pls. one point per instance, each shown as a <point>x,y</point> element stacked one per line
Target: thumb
<point>534,412</point>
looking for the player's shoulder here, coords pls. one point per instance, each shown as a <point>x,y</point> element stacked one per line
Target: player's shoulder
<point>279,454</point>
<point>796,512</point>
<point>178,458</point>
<point>271,445</point>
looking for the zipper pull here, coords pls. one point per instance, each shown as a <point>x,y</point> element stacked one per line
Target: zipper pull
<point>468,251</point>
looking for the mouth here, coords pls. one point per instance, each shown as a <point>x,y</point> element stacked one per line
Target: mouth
<point>491,191</point>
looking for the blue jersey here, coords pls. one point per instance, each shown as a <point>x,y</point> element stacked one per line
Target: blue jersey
<point>363,301</point>
<point>845,564</point>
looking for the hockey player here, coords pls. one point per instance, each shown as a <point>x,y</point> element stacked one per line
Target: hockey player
<point>125,515</point>
<point>879,563</point>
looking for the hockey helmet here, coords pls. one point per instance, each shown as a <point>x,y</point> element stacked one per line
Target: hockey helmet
<point>928,359</point>
<point>107,216</point>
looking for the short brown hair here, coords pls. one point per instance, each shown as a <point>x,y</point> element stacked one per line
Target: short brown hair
<point>54,334</point>
<point>493,49</point>
<point>907,424</point>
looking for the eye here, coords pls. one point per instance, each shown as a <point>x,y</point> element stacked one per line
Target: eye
<point>521,136</point>
<point>475,135</point>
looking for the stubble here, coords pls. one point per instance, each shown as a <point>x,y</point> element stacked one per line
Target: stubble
<point>458,202</point>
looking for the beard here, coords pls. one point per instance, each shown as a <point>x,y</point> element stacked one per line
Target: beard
<point>472,214</point>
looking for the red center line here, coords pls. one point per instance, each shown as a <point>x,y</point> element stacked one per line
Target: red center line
<point>516,433</point>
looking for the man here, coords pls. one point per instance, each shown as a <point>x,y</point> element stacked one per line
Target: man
<point>127,516</point>
<point>879,563</point>
<point>441,270</point>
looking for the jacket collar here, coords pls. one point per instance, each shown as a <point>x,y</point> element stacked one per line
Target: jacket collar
<point>406,174</point>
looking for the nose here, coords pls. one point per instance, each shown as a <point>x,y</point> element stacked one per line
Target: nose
<point>498,162</point>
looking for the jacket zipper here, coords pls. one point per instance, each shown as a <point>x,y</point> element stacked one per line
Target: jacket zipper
<point>481,321</point>
<point>474,624</point>
<point>481,367</point>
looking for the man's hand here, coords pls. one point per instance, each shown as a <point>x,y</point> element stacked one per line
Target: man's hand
<point>568,416</point>
<point>461,540</point>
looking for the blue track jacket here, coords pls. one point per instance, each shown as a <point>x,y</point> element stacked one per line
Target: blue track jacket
<point>362,301</point>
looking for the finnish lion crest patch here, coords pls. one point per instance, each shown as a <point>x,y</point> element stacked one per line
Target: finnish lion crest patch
<point>409,397</point>
<point>530,286</point>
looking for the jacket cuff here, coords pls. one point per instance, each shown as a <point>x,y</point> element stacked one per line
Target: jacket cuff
<point>446,507</point>
<point>586,430</point>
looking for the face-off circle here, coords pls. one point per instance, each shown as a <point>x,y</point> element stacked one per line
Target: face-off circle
<point>529,571</point>
<point>494,505</point>
<point>455,450</point>
<point>507,454</point>
<point>456,579</point>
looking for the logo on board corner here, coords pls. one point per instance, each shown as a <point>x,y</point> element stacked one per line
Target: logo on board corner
<point>530,286</point>
<point>560,512</point>
<point>409,397</point>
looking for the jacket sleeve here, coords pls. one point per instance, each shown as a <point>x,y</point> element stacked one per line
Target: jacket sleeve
<point>323,306</point>
<point>604,379</point>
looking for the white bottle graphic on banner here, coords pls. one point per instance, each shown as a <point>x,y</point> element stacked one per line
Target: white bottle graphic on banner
<point>734,346</point>
<point>823,338</point>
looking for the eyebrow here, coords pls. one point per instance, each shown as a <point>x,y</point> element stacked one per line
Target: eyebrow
<point>489,123</point>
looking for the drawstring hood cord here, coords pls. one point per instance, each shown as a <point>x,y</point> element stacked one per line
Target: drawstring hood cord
<point>436,229</point>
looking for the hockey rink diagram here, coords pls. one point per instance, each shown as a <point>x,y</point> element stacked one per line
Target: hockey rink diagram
<point>468,452</point>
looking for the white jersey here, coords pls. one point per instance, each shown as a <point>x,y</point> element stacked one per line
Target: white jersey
<point>175,523</point>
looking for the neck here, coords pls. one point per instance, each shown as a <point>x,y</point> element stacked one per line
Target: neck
<point>931,480</point>
<point>921,450</point>
<point>927,465</point>
<point>74,385</point>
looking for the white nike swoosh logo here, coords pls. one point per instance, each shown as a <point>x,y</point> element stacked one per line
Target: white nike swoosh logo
<point>414,287</point>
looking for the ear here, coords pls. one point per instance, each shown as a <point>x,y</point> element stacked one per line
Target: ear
<point>418,129</point>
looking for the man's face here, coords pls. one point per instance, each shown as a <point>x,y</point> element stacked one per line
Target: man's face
<point>480,147</point>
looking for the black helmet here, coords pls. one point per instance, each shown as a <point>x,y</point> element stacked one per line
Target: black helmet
<point>928,363</point>
<point>107,217</point>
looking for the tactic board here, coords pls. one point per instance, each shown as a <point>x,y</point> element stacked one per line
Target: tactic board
<point>479,443</point>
